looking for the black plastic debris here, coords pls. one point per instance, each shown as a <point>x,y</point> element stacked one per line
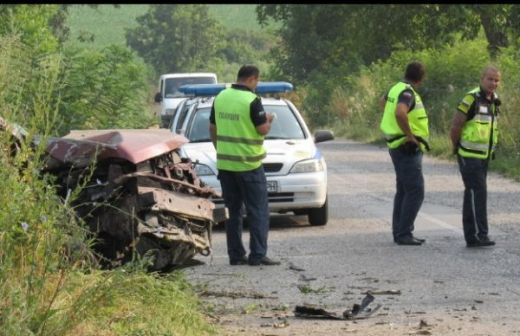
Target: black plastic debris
<point>361,311</point>
<point>311,311</point>
<point>358,311</point>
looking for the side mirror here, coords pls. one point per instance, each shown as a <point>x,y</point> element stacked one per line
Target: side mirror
<point>158,97</point>
<point>324,135</point>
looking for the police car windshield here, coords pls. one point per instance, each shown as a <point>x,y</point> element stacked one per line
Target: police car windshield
<point>284,126</point>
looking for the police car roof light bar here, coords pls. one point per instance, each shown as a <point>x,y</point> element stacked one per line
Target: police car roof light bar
<point>214,89</point>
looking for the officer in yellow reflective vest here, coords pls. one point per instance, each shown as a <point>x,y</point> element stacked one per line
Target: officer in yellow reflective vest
<point>238,124</point>
<point>405,127</point>
<point>474,135</point>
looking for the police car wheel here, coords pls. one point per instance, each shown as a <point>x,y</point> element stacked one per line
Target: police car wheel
<point>319,216</point>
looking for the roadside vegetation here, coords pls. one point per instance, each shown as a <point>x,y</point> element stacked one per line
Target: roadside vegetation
<point>66,67</point>
<point>340,88</point>
<point>50,283</point>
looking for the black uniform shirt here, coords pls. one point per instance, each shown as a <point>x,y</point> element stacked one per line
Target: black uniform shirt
<point>406,97</point>
<point>257,113</point>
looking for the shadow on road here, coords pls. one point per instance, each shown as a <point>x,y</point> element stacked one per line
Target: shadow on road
<point>276,222</point>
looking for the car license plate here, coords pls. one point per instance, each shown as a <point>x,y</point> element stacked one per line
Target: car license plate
<point>272,186</point>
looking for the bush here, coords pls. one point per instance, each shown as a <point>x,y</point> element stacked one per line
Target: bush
<point>450,73</point>
<point>105,88</point>
<point>48,282</point>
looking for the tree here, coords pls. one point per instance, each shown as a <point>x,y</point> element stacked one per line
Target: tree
<point>105,88</point>
<point>176,38</point>
<point>317,36</point>
<point>495,20</point>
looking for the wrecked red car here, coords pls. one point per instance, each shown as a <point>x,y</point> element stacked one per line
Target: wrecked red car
<point>137,194</point>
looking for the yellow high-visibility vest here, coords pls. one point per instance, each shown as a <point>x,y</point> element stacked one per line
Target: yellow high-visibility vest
<point>417,118</point>
<point>479,135</point>
<point>239,145</point>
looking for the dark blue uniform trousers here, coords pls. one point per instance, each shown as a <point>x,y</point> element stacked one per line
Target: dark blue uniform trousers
<point>249,188</point>
<point>474,208</point>
<point>409,191</point>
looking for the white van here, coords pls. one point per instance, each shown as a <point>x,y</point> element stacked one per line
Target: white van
<point>169,96</point>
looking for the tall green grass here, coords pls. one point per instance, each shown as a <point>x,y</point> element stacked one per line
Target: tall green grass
<point>49,282</point>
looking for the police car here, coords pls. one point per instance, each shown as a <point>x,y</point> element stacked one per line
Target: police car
<point>296,171</point>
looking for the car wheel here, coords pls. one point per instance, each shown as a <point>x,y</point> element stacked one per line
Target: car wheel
<point>319,216</point>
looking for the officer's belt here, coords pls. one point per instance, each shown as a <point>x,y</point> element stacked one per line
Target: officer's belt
<point>420,139</point>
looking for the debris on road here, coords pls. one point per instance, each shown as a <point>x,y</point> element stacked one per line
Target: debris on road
<point>303,277</point>
<point>236,295</point>
<point>361,311</point>
<point>295,268</point>
<point>311,311</point>
<point>308,289</point>
<point>358,311</point>
<point>383,292</point>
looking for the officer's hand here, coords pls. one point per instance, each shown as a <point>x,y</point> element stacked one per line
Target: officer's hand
<point>411,147</point>
<point>413,140</point>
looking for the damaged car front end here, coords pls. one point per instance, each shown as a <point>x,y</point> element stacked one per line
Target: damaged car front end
<point>135,193</point>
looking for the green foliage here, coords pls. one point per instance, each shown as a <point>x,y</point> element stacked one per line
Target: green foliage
<point>104,88</point>
<point>31,23</point>
<point>318,37</point>
<point>99,26</point>
<point>450,72</point>
<point>39,236</point>
<point>48,283</point>
<point>176,38</point>
<point>236,16</point>
<point>243,40</point>
<point>136,303</point>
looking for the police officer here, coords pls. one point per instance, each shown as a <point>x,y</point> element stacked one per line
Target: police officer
<point>238,124</point>
<point>405,126</point>
<point>474,135</point>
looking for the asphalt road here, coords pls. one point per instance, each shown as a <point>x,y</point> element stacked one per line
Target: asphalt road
<point>439,288</point>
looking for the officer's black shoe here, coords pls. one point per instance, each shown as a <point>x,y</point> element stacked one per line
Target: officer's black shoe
<point>421,240</point>
<point>486,239</point>
<point>264,261</point>
<point>407,241</point>
<point>241,261</point>
<point>480,243</point>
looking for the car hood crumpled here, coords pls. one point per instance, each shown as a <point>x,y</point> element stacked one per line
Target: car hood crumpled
<point>133,145</point>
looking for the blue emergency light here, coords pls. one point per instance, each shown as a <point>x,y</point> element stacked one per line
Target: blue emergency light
<point>214,89</point>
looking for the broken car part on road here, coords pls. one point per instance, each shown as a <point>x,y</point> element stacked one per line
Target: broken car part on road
<point>358,311</point>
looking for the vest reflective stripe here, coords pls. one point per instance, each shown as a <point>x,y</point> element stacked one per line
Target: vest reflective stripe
<point>239,145</point>
<point>417,118</point>
<point>479,135</point>
<point>475,146</point>
<point>240,140</point>
<point>239,158</point>
<point>486,118</point>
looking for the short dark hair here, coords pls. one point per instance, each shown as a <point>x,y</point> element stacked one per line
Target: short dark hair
<point>247,71</point>
<point>415,72</point>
